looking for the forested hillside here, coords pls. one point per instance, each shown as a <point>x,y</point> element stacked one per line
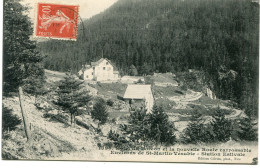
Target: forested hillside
<point>219,37</point>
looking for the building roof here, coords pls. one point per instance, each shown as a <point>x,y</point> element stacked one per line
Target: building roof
<point>138,92</point>
<point>97,62</point>
<point>84,68</point>
<point>102,59</point>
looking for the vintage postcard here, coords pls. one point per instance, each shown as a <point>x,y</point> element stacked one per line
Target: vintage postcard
<point>131,80</point>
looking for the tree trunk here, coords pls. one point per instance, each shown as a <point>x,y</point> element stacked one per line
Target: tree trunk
<point>24,115</point>
<point>71,118</point>
<point>35,98</point>
<point>98,124</point>
<point>74,119</point>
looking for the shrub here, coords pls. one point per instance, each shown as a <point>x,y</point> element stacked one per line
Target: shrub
<point>149,80</point>
<point>222,127</point>
<point>108,145</point>
<point>113,120</point>
<point>113,135</point>
<point>9,121</point>
<point>191,80</point>
<point>138,125</point>
<point>248,130</point>
<point>99,111</point>
<point>192,133</point>
<point>161,130</point>
<point>99,145</point>
<point>110,102</point>
<point>140,81</point>
<point>133,71</point>
<point>219,130</point>
<point>184,87</point>
<point>142,127</point>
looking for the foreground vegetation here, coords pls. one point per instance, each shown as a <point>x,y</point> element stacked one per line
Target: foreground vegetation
<point>155,129</point>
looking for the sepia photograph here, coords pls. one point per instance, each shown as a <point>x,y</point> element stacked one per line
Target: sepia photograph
<point>130,81</point>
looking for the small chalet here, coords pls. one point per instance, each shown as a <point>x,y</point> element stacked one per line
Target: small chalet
<point>102,70</point>
<point>136,94</point>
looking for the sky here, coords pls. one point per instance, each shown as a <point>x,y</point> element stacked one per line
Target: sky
<point>87,8</point>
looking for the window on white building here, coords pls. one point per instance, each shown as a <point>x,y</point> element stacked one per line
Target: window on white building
<point>104,68</point>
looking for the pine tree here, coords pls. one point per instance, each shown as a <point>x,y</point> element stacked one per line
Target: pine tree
<point>193,132</point>
<point>145,69</point>
<point>161,130</point>
<point>72,96</point>
<point>133,71</point>
<point>21,60</point>
<point>248,128</point>
<point>139,126</point>
<point>35,85</point>
<point>222,127</point>
<point>142,128</point>
<point>99,111</point>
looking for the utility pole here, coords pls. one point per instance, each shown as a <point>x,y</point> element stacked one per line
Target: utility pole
<point>24,115</point>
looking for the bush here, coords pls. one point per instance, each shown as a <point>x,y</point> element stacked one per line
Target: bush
<point>138,125</point>
<point>192,133</point>
<point>108,145</point>
<point>110,102</point>
<point>184,87</point>
<point>133,71</point>
<point>113,135</point>
<point>113,120</point>
<point>9,121</point>
<point>222,127</point>
<point>219,130</point>
<point>161,130</point>
<point>149,80</point>
<point>191,80</point>
<point>139,81</point>
<point>165,103</point>
<point>142,127</point>
<point>248,130</point>
<point>99,111</point>
<point>197,132</point>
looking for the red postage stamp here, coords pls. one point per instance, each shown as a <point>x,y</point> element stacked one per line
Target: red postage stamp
<point>57,21</point>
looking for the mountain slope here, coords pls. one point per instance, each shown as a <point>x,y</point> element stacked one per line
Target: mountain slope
<point>216,36</point>
<point>187,34</point>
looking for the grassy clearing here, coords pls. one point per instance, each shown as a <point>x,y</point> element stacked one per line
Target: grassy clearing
<point>206,100</point>
<point>111,90</point>
<point>203,110</point>
<point>164,78</point>
<point>166,91</point>
<point>165,103</point>
<point>54,76</point>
